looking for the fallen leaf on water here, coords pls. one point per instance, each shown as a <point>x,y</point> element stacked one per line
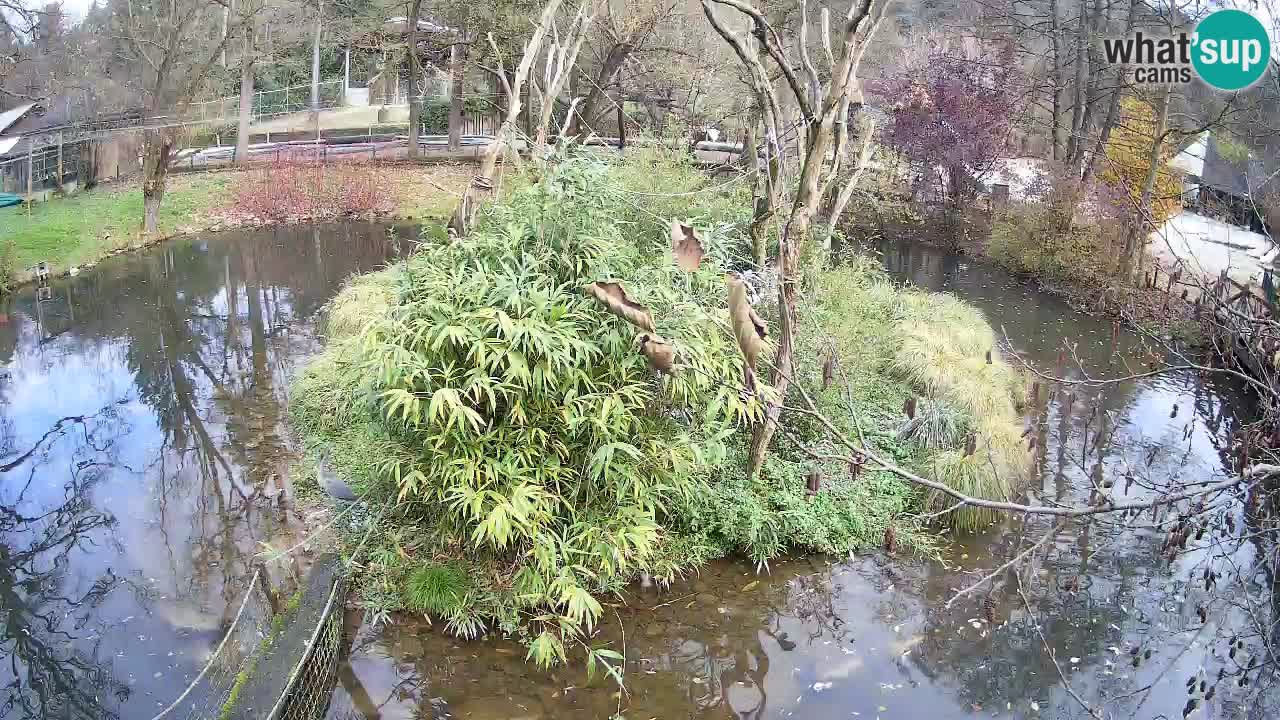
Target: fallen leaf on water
<point>750,586</point>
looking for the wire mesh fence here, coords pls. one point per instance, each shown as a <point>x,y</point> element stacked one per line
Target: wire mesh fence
<point>310,687</point>
<point>39,170</point>
<point>268,103</point>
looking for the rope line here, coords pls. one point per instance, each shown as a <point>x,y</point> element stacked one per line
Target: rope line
<point>243,604</point>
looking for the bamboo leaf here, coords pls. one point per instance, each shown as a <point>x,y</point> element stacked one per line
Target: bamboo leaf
<point>662,356</point>
<point>615,300</point>
<point>748,328</point>
<point>686,246</point>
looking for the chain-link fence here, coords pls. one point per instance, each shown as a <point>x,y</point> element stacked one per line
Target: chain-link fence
<point>39,170</point>
<point>306,696</point>
<point>228,668</point>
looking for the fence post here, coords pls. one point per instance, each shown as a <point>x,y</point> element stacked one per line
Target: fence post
<point>31,173</point>
<point>622,130</point>
<point>528,110</point>
<point>59,162</point>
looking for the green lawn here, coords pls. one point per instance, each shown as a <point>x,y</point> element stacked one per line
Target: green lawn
<point>86,226</point>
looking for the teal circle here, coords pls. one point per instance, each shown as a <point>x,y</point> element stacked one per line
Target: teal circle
<point>1224,43</point>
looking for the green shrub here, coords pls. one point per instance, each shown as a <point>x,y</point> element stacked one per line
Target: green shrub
<point>8,265</point>
<point>774,515</point>
<point>937,426</point>
<point>1027,240</point>
<point>435,113</point>
<point>520,417</point>
<point>439,589</point>
<point>533,455</point>
<point>361,299</point>
<point>896,343</point>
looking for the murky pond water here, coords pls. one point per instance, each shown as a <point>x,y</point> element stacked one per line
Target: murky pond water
<point>143,445</point>
<point>873,637</point>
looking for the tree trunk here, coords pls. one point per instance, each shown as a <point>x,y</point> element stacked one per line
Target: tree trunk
<point>1139,225</point>
<point>226,17</point>
<point>315,60</point>
<point>415,75</point>
<point>155,172</point>
<point>794,234</point>
<point>575,87</point>
<point>246,104</point>
<point>750,149</point>
<point>1056,77</point>
<point>1079,109</point>
<point>457,61</point>
<point>590,108</point>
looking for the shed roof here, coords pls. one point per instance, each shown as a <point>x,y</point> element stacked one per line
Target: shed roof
<point>9,117</point>
<point>1241,177</point>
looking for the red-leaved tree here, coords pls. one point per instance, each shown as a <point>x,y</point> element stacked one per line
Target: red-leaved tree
<point>952,112</point>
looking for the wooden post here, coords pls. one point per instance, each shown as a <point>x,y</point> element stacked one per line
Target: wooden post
<point>59,162</point>
<point>31,173</point>
<point>622,129</point>
<point>527,109</point>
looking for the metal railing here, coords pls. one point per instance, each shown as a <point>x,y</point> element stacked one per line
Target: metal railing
<point>269,103</point>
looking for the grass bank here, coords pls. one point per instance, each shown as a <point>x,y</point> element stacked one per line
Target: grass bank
<point>87,226</point>
<point>530,462</point>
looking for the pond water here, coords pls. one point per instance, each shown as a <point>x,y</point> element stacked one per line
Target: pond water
<point>144,456</point>
<point>872,637</point>
<point>143,444</point>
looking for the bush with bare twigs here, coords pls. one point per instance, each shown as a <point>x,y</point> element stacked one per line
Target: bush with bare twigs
<point>291,189</point>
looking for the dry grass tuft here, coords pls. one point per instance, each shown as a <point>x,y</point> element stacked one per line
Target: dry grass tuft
<point>363,298</point>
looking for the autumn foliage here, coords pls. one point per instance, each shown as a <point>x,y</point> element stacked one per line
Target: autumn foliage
<point>953,109</point>
<point>293,189</point>
<point>1128,160</point>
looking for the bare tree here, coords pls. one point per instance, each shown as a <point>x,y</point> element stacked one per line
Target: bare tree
<point>248,62</point>
<point>824,106</point>
<point>560,63</point>
<point>481,186</point>
<point>174,49</point>
<point>625,29</point>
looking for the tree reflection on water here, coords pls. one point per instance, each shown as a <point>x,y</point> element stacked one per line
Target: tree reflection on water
<point>53,665</point>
